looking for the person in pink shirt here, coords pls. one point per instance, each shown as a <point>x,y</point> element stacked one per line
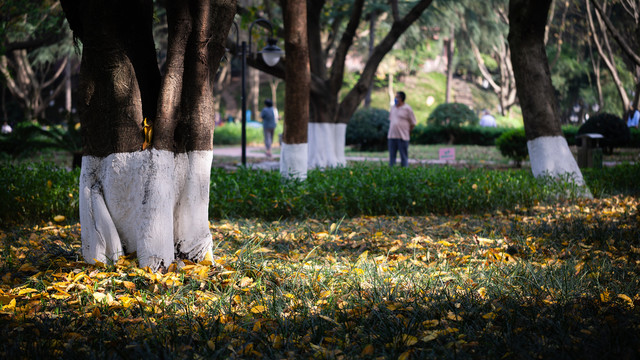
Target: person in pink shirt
<point>401,122</point>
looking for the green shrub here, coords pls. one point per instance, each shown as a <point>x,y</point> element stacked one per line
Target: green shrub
<point>452,115</point>
<point>569,132</point>
<point>35,193</point>
<point>513,144</point>
<point>31,193</point>
<point>635,138</point>
<point>25,138</point>
<point>468,135</point>
<point>368,129</point>
<point>615,131</point>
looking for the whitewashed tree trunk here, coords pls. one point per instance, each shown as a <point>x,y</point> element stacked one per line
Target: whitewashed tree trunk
<point>152,202</point>
<point>147,139</point>
<point>548,150</point>
<point>326,145</point>
<point>293,161</point>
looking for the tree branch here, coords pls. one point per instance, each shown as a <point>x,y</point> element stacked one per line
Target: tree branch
<point>358,92</point>
<point>337,71</point>
<point>616,34</point>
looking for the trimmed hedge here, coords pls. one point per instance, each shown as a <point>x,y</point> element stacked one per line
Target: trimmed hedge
<point>468,135</point>
<point>35,193</point>
<point>485,136</point>
<point>513,144</point>
<point>368,129</point>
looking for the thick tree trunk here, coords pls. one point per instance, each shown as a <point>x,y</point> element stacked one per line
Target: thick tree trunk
<point>548,149</point>
<point>293,158</point>
<point>144,183</point>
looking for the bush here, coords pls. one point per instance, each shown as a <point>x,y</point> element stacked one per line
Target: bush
<point>452,115</point>
<point>35,193</point>
<point>615,131</point>
<point>31,193</point>
<point>471,135</point>
<point>368,129</point>
<point>513,144</point>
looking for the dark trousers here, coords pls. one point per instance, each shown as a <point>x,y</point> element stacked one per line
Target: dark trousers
<point>396,145</point>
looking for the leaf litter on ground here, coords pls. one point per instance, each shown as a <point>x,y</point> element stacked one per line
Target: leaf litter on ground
<point>543,281</point>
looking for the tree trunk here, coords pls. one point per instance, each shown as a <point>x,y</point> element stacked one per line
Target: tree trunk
<point>144,184</point>
<point>548,150</point>
<point>329,116</point>
<point>606,53</point>
<point>373,17</point>
<point>450,48</point>
<point>293,157</point>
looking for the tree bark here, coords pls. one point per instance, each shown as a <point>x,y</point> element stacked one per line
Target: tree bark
<point>548,149</point>
<point>293,159</point>
<point>147,139</point>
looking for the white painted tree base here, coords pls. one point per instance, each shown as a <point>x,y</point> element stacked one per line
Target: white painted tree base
<point>293,161</point>
<point>153,202</point>
<point>326,145</point>
<point>551,156</point>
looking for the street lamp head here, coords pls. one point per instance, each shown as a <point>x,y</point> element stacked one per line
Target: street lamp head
<point>271,53</point>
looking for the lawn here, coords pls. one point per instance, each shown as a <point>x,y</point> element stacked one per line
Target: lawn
<point>477,264</point>
<point>485,155</point>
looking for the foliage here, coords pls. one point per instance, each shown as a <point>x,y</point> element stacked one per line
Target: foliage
<point>513,144</point>
<point>368,128</point>
<point>28,137</point>
<point>452,115</point>
<point>24,139</point>
<point>468,135</point>
<point>615,130</point>
<point>35,193</point>
<point>521,281</point>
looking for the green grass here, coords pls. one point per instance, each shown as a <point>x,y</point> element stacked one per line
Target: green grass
<point>468,154</point>
<point>36,193</point>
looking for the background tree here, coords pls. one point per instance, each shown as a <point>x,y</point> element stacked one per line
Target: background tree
<point>485,28</point>
<point>622,20</point>
<point>548,149</point>
<point>293,157</point>
<point>330,38</point>
<point>35,51</point>
<point>147,138</point>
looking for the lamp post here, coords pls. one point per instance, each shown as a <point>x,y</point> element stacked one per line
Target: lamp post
<point>271,55</point>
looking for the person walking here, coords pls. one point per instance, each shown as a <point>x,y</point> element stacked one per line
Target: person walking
<point>401,122</point>
<point>269,122</point>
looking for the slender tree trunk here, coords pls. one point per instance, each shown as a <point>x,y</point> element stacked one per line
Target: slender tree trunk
<point>548,149</point>
<point>373,17</point>
<point>605,52</point>
<point>450,49</point>
<point>293,158</point>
